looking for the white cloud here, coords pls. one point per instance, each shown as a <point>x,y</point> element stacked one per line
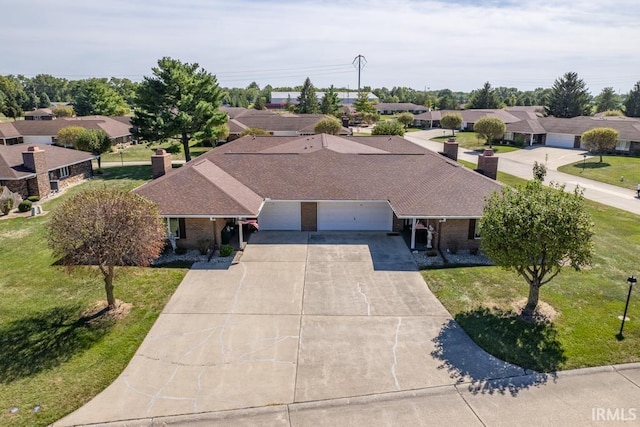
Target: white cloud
<point>455,44</point>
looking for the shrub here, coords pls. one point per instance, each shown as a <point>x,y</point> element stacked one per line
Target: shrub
<point>181,250</point>
<point>474,251</point>
<point>539,171</point>
<point>25,206</point>
<point>6,205</point>
<point>174,148</point>
<point>388,127</point>
<point>203,246</point>
<point>226,250</point>
<point>453,246</point>
<point>33,199</point>
<point>518,141</point>
<point>432,253</point>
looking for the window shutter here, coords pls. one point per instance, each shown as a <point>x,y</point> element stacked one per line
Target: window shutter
<point>472,229</point>
<point>182,228</point>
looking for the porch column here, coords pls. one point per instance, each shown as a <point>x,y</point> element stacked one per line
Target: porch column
<point>531,140</point>
<point>413,233</point>
<point>240,234</point>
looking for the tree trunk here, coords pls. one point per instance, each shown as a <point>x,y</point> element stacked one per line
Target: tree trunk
<point>99,161</point>
<point>600,157</point>
<point>453,132</point>
<point>185,145</point>
<point>532,301</point>
<point>108,287</point>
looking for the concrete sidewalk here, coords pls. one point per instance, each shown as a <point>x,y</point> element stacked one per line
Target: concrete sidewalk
<point>520,163</point>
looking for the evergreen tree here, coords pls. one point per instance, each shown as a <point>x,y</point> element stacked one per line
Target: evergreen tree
<point>45,102</point>
<point>307,101</point>
<point>363,105</point>
<point>330,103</point>
<point>569,97</point>
<point>632,104</point>
<point>95,96</point>
<point>607,100</point>
<point>484,98</point>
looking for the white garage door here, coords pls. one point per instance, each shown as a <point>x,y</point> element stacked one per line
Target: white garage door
<point>354,216</point>
<point>560,140</point>
<point>280,216</point>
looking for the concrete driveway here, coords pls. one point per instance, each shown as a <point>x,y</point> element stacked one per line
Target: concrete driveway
<point>301,323</point>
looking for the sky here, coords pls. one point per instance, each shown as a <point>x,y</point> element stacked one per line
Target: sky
<point>422,44</point>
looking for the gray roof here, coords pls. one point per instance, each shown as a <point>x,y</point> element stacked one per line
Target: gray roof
<point>628,128</point>
<point>415,181</point>
<point>470,116</point>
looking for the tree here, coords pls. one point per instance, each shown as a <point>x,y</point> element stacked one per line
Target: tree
<point>446,100</point>
<point>179,101</point>
<point>95,141</point>
<point>330,103</point>
<point>600,140</point>
<point>632,103</point>
<point>490,128</point>
<point>62,111</point>
<point>125,88</point>
<point>329,125</point>
<point>96,97</point>
<point>607,100</point>
<point>363,105</point>
<point>13,98</point>
<point>260,104</point>
<point>254,131</point>
<point>307,101</point>
<point>536,230</point>
<point>539,171</point>
<point>68,136</point>
<point>107,228</point>
<point>451,121</point>
<point>388,127</point>
<point>569,97</point>
<point>484,98</point>
<point>45,102</point>
<point>405,118</point>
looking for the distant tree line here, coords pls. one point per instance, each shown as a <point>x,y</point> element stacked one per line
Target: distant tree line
<point>567,97</point>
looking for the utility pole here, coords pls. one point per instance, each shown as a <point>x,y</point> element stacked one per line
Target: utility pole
<point>359,62</point>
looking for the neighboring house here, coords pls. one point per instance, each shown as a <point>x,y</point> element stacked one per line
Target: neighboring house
<point>431,119</point>
<point>46,131</point>
<point>9,135</point>
<point>279,99</point>
<point>400,107</point>
<point>40,114</point>
<point>37,170</point>
<point>567,133</point>
<point>320,182</point>
<point>274,123</point>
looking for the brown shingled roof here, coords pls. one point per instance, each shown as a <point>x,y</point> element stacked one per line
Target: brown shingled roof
<point>415,181</point>
<point>112,127</point>
<point>12,167</point>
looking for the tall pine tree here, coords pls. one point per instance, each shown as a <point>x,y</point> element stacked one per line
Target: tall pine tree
<point>484,97</point>
<point>569,97</point>
<point>307,101</point>
<point>632,104</point>
<point>330,103</point>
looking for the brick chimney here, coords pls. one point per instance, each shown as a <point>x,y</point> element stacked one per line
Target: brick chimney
<point>451,149</point>
<point>160,163</point>
<point>488,164</point>
<point>34,159</point>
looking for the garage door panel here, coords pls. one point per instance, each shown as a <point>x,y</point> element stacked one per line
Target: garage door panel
<point>362,216</point>
<point>280,216</point>
<point>560,140</point>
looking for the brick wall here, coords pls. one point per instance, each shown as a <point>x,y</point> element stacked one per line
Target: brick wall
<point>196,229</point>
<point>19,186</point>
<point>456,231</point>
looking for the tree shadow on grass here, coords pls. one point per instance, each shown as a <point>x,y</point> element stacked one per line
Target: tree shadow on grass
<point>135,172</point>
<point>591,165</point>
<point>497,352</point>
<point>46,340</point>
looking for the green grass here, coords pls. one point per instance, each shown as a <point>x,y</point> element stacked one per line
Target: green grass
<point>50,355</point>
<point>143,152</point>
<point>588,302</point>
<point>470,141</point>
<point>609,171</point>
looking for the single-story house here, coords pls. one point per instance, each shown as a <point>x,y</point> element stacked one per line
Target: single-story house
<point>46,131</point>
<point>431,119</point>
<point>567,133</point>
<point>276,124</point>
<point>37,170</point>
<point>400,107</point>
<point>320,182</point>
<point>40,114</point>
<point>9,135</point>
<point>279,99</point>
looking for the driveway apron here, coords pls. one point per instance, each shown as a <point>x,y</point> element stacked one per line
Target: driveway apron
<point>302,318</point>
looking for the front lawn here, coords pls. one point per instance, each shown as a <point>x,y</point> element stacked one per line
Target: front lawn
<point>610,171</point>
<point>471,141</point>
<point>53,356</point>
<point>143,152</point>
<point>587,303</point>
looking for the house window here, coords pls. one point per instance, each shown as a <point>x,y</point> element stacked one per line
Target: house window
<point>176,228</point>
<point>63,172</point>
<point>474,229</point>
<point>622,145</point>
